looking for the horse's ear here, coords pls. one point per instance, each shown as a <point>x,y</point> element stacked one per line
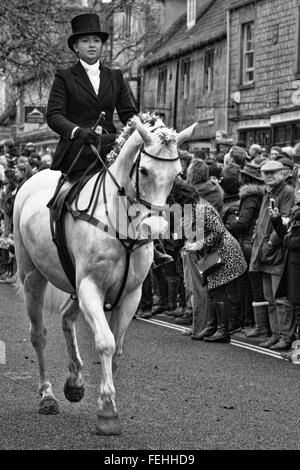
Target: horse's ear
<point>142,130</point>
<point>186,134</point>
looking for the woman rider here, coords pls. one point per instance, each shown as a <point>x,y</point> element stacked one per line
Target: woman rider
<point>79,95</point>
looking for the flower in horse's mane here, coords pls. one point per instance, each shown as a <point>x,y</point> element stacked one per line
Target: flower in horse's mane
<point>167,136</point>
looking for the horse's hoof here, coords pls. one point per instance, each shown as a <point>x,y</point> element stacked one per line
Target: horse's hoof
<point>73,394</point>
<point>108,425</point>
<point>48,406</point>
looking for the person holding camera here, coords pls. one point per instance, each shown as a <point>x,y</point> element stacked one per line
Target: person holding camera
<point>80,94</point>
<point>268,256</point>
<point>288,230</point>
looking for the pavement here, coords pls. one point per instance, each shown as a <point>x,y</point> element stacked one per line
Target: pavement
<point>172,393</point>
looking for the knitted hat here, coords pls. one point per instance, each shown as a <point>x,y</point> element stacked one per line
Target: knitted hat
<point>230,185</point>
<point>231,170</point>
<point>286,162</point>
<point>230,180</point>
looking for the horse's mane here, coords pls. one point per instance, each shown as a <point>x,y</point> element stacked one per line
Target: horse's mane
<point>166,135</point>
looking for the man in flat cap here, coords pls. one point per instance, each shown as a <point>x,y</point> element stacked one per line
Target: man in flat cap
<point>268,256</point>
<point>288,170</point>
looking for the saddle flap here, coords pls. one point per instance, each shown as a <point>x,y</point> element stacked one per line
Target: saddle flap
<point>61,198</point>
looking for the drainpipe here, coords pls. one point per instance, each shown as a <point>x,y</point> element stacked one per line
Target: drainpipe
<point>176,95</point>
<point>227,91</point>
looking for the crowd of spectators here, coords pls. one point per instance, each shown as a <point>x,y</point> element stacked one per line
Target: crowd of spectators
<point>248,204</point>
<point>17,165</point>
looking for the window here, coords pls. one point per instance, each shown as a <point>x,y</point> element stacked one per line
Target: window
<point>162,85</point>
<point>261,136</point>
<point>191,13</point>
<point>209,71</point>
<point>185,79</point>
<point>248,53</point>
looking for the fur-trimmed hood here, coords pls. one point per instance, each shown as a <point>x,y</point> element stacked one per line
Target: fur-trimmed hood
<point>252,190</point>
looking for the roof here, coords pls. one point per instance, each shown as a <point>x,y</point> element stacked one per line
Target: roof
<point>210,26</point>
<point>233,4</point>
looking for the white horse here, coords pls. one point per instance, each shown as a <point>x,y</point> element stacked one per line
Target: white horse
<point>98,258</point>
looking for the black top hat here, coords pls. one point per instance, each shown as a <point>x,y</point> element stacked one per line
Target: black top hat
<point>83,25</point>
<point>253,171</point>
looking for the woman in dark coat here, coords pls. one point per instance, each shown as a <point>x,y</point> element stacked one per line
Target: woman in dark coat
<point>288,230</point>
<point>242,227</point>
<point>80,93</point>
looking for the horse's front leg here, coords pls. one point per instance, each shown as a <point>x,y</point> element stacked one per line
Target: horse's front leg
<point>74,387</point>
<point>120,319</point>
<point>91,304</point>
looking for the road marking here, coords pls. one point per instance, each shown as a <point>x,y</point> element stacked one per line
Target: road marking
<point>163,323</point>
<point>2,353</point>
<point>234,342</point>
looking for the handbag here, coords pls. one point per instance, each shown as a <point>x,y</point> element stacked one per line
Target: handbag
<point>209,263</point>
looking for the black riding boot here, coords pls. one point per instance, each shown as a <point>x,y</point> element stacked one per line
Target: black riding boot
<point>212,323</point>
<point>291,355</point>
<point>234,317</point>
<point>222,333</point>
<point>172,294</point>
<point>163,288</point>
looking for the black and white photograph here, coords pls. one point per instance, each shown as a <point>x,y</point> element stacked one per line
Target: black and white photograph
<point>150,228</point>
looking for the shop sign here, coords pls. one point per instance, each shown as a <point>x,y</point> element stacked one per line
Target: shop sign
<point>206,115</point>
<point>284,117</point>
<point>253,123</point>
<point>34,114</point>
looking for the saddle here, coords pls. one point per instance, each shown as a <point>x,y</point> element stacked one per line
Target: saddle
<point>58,208</point>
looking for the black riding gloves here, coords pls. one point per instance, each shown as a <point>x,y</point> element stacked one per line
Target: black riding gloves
<point>87,136</point>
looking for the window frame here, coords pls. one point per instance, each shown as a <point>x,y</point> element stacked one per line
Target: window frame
<point>245,53</point>
<point>161,95</point>
<point>208,81</point>
<point>185,78</point>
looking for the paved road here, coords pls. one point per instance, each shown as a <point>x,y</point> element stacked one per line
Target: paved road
<point>172,393</point>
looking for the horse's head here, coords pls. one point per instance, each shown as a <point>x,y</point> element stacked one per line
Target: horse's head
<point>154,171</point>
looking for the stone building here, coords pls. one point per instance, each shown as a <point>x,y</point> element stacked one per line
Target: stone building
<point>264,71</point>
<point>130,23</point>
<point>184,75</point>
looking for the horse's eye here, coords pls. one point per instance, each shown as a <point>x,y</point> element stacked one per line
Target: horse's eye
<point>144,171</point>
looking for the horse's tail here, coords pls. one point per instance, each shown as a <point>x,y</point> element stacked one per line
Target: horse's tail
<point>53,300</point>
<point>19,288</point>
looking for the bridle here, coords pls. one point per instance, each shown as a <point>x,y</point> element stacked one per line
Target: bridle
<point>130,244</point>
<point>136,167</point>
